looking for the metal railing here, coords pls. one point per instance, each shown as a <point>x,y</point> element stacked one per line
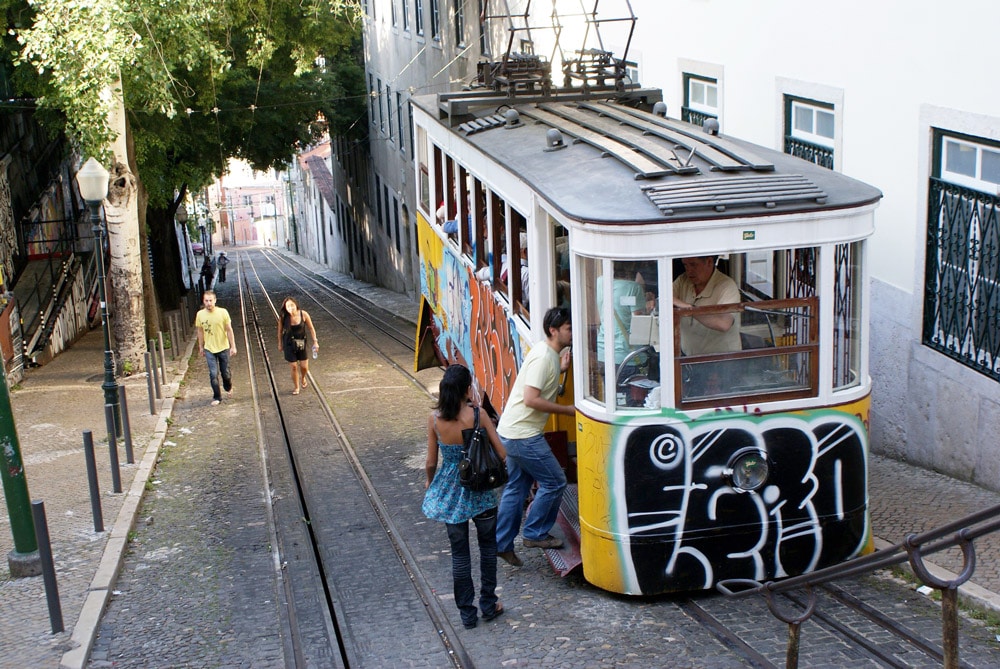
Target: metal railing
<point>814,153</point>
<point>694,116</point>
<point>961,288</point>
<point>914,548</point>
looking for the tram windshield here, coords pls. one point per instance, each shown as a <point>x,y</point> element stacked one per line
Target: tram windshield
<point>745,328</point>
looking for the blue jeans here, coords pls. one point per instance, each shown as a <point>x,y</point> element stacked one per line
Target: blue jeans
<point>529,460</point>
<point>461,566</point>
<point>218,363</point>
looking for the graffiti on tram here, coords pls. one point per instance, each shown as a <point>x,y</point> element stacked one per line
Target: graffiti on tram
<point>473,327</point>
<point>683,520</point>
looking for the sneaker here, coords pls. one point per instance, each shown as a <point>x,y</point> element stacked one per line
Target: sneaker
<point>215,403</point>
<point>548,542</point>
<point>510,557</point>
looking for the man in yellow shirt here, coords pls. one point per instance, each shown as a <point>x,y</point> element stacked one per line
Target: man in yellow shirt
<point>217,342</point>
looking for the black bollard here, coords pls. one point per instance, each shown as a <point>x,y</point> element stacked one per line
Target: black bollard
<point>154,371</point>
<point>116,475</point>
<point>129,457</point>
<point>95,489</point>
<point>149,388</point>
<point>48,568</point>
<point>175,336</point>
<point>163,362</point>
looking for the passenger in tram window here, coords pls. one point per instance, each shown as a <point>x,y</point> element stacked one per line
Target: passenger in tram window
<point>629,299</point>
<point>702,285</point>
<point>292,325</point>
<point>447,501</point>
<point>529,457</point>
<point>217,343</point>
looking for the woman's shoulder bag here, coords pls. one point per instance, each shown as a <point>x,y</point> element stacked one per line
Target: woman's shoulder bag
<point>480,468</point>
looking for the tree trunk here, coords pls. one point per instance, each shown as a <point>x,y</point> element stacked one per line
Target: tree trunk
<point>125,271</point>
<point>151,306</point>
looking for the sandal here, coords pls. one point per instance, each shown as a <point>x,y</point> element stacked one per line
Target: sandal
<point>295,392</point>
<point>305,383</point>
<point>497,612</point>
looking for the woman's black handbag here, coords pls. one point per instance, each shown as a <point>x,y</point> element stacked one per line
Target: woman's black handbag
<point>480,468</point>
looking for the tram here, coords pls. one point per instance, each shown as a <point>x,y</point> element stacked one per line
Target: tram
<point>698,453</point>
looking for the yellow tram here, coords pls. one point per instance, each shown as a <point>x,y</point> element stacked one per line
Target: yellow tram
<point>719,296</point>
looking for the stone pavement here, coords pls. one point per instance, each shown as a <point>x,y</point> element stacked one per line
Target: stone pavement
<point>57,402</point>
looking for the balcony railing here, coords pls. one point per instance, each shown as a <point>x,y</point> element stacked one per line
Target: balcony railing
<point>814,153</point>
<point>962,291</point>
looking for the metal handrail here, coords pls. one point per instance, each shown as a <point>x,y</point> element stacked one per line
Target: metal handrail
<point>914,548</point>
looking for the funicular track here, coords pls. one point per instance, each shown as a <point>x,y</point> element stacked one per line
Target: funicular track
<point>852,629</point>
<point>323,490</point>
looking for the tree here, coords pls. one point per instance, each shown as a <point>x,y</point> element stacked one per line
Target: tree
<point>200,82</point>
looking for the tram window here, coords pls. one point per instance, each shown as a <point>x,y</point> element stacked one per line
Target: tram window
<point>438,176</point>
<point>591,271</point>
<point>772,350</point>
<point>480,216</point>
<point>464,218</point>
<point>847,315</point>
<point>498,234</point>
<point>423,176</point>
<point>615,347</point>
<point>561,265</point>
<point>518,270</point>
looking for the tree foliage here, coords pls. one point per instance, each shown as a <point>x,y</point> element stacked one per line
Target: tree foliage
<point>202,81</point>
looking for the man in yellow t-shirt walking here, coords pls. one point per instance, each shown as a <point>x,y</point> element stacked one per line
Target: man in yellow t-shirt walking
<point>217,342</point>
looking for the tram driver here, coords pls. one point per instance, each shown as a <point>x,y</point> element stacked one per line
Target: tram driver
<point>702,285</point>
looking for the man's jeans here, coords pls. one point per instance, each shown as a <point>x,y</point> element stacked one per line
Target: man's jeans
<point>461,566</point>
<point>529,460</point>
<point>219,363</point>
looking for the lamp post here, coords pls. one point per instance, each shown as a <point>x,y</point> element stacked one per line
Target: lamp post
<point>291,210</point>
<point>93,181</point>
<point>182,216</point>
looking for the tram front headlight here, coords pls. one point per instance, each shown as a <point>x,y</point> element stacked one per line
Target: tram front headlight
<point>748,470</point>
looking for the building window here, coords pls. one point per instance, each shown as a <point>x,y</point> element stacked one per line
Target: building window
<point>388,111</point>
<point>810,130</point>
<point>460,22</point>
<point>392,12</point>
<point>371,96</point>
<point>381,108</point>
<point>701,99</point>
<point>399,121</point>
<point>418,17</point>
<point>962,269</point>
<point>484,42</point>
<point>436,20</point>
<point>406,14</point>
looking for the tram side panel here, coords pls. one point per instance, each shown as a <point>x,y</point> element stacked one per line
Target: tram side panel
<point>658,514</point>
<point>470,326</point>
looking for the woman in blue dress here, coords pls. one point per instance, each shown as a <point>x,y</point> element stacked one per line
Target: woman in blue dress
<point>450,503</point>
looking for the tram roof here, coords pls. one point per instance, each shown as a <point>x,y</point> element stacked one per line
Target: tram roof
<point>619,164</point>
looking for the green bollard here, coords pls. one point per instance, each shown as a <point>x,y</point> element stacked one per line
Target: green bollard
<point>24,559</point>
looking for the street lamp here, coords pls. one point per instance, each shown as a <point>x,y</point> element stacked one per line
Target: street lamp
<point>93,182</point>
<point>182,216</point>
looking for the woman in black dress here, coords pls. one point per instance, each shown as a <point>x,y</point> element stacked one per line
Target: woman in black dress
<point>293,323</point>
